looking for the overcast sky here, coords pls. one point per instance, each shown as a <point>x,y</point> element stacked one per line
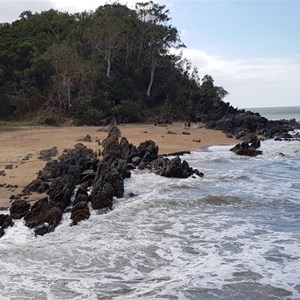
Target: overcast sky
<point>251,48</point>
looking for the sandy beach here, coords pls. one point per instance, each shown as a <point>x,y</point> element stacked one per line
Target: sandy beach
<point>21,148</point>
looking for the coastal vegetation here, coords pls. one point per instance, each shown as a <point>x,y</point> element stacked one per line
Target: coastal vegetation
<point>114,61</point>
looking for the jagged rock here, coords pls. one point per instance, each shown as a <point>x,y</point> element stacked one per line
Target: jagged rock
<point>42,229</point>
<point>38,186</point>
<point>2,232</point>
<point>82,189</point>
<point>102,195</point>
<point>44,216</point>
<point>245,149</point>
<point>172,167</point>
<point>186,133</point>
<point>5,221</point>
<point>147,151</point>
<point>19,209</point>
<point>47,154</point>
<point>255,144</point>
<point>240,123</point>
<point>80,198</point>
<point>112,138</point>
<point>109,182</point>
<point>72,161</point>
<point>86,139</point>
<point>125,148</point>
<point>61,190</point>
<point>80,212</point>
<point>136,160</point>
<point>8,167</point>
<point>171,132</point>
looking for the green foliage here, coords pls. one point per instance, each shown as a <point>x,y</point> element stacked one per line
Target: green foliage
<point>3,123</point>
<point>84,114</point>
<point>128,110</point>
<point>48,119</point>
<point>84,65</point>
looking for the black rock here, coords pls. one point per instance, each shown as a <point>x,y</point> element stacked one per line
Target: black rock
<point>246,149</point>
<point>80,212</point>
<point>47,154</point>
<point>44,216</point>
<point>172,168</point>
<point>19,209</point>
<point>38,186</point>
<point>5,221</point>
<point>61,190</point>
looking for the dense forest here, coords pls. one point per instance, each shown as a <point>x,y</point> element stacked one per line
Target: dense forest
<point>113,61</point>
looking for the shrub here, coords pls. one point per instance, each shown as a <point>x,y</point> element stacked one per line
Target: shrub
<point>46,119</point>
<point>128,110</point>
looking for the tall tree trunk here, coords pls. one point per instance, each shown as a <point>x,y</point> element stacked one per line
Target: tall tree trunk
<point>69,95</point>
<point>108,59</point>
<point>153,67</point>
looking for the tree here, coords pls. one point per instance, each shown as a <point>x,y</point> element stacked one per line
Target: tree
<point>106,32</point>
<point>67,73</point>
<point>157,37</point>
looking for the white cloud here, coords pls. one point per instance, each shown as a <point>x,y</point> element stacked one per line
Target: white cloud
<point>79,5</point>
<point>252,82</point>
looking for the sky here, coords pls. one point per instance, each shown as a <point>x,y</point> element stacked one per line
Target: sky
<point>250,47</point>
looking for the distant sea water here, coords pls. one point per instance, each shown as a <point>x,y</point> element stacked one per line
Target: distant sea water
<point>233,234</point>
<point>278,113</point>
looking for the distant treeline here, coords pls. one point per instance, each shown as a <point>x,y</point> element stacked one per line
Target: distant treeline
<point>113,61</point>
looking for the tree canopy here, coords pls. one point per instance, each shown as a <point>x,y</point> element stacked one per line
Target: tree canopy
<point>113,61</point>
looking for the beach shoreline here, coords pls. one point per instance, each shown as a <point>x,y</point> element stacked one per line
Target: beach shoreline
<point>20,149</point>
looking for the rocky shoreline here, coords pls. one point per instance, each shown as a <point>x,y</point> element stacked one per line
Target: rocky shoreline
<point>94,181</point>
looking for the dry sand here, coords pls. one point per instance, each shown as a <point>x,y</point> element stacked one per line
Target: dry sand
<point>16,145</point>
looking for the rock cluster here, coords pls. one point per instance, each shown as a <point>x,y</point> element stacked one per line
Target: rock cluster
<point>78,180</point>
<point>248,148</point>
<point>241,123</point>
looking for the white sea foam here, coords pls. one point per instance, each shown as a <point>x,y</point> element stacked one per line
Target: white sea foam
<point>233,234</point>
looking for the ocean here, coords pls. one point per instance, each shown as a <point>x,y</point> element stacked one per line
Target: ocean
<point>233,234</point>
<point>278,113</point>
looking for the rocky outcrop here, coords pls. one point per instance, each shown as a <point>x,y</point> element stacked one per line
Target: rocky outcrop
<point>38,186</point>
<point>103,179</point>
<point>47,154</point>
<point>80,211</point>
<point>5,221</point>
<point>61,190</point>
<point>247,149</point>
<point>173,168</point>
<point>109,179</point>
<point>44,216</point>
<point>240,123</point>
<point>19,209</point>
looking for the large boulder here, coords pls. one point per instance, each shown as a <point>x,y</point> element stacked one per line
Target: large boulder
<point>246,149</point>
<point>147,151</point>
<point>61,190</point>
<point>102,195</point>
<point>172,168</point>
<point>47,154</point>
<point>38,186</point>
<point>80,211</point>
<point>44,216</point>
<point>19,209</point>
<point>5,221</point>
